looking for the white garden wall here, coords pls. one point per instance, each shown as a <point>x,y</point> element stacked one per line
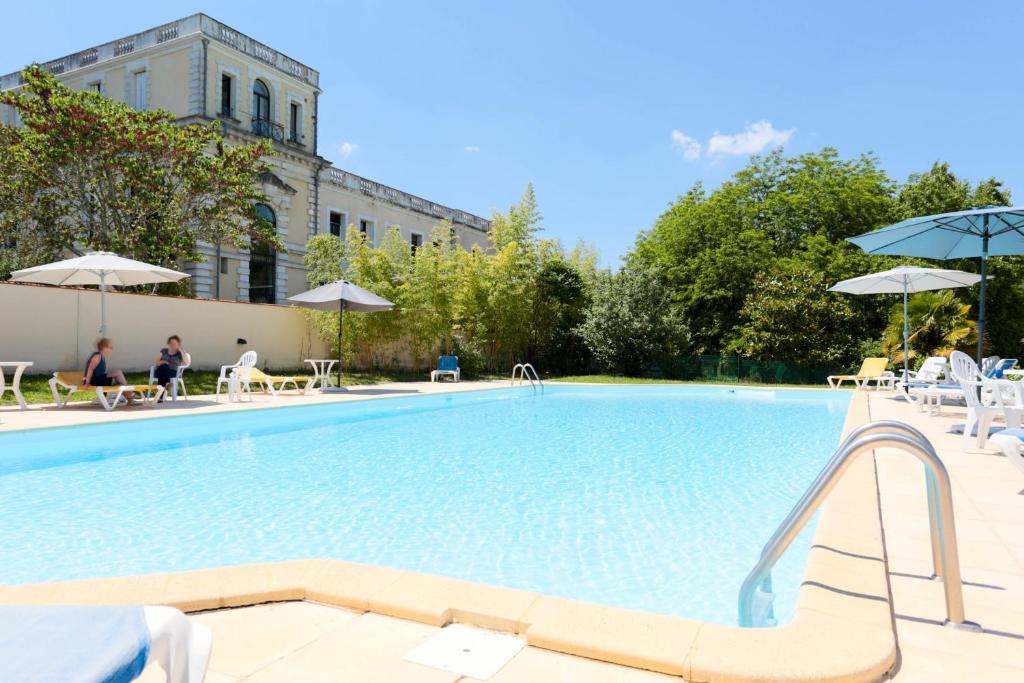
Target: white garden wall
<point>56,328</point>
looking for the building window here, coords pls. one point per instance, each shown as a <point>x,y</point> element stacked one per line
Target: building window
<point>295,123</point>
<point>366,227</point>
<point>226,93</point>
<point>336,219</point>
<point>96,87</point>
<point>141,90</point>
<point>415,242</point>
<point>263,263</point>
<point>262,119</point>
<point>260,101</point>
<point>223,265</point>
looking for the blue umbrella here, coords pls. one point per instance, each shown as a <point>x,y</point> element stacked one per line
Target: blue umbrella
<point>977,233</point>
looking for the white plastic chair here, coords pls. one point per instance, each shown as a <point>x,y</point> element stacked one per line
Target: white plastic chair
<point>244,364</point>
<point>986,398</point>
<point>177,381</point>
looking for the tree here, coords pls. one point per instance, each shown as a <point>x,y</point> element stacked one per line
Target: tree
<point>559,310</point>
<point>712,246</point>
<point>792,316</point>
<point>938,322</point>
<point>938,190</point>
<point>630,327</point>
<point>85,171</point>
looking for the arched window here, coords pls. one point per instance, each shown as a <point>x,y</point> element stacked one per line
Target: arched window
<point>260,101</point>
<point>263,263</point>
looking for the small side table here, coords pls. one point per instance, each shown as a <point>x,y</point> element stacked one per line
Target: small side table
<point>321,371</point>
<point>15,387</point>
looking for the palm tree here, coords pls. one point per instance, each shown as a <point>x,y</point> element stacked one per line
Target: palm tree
<point>938,326</point>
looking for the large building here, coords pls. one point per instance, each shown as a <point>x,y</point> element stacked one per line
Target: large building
<point>202,70</point>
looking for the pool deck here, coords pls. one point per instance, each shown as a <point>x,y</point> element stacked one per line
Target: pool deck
<point>867,610</point>
<point>89,412</point>
<point>988,499</point>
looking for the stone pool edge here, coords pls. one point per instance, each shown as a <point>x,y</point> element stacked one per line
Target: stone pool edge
<point>842,629</point>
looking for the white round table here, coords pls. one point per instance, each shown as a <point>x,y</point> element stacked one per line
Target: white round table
<point>321,371</point>
<point>15,386</point>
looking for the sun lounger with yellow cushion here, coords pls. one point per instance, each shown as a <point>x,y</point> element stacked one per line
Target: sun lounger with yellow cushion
<point>871,370</point>
<point>276,383</point>
<point>75,381</point>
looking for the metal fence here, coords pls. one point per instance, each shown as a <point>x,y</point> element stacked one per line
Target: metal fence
<point>739,369</point>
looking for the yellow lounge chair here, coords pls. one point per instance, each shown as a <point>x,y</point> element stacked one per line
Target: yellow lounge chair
<point>872,369</point>
<point>301,383</point>
<point>75,381</point>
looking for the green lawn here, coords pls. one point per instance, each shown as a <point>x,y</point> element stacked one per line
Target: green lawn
<point>618,379</point>
<point>37,390</point>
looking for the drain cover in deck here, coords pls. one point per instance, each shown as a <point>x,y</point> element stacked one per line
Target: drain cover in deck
<point>467,651</point>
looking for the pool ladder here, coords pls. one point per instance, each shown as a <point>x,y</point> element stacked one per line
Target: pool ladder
<point>525,371</point>
<point>755,598</point>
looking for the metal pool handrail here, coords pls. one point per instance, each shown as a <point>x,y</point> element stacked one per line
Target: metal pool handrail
<point>524,370</point>
<point>878,426</point>
<point>943,530</point>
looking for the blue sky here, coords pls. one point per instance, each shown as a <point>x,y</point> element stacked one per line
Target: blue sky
<point>613,109</point>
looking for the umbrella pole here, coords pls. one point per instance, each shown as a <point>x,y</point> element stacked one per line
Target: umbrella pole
<point>103,304</point>
<point>341,328</point>
<point>906,335</point>
<point>981,301</point>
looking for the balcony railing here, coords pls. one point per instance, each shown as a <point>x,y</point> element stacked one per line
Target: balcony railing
<point>187,26</point>
<point>265,128</point>
<point>296,138</point>
<point>351,181</point>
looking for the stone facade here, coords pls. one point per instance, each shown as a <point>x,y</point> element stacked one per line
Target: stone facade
<point>203,70</point>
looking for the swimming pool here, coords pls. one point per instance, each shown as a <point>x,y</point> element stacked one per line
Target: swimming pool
<point>649,497</point>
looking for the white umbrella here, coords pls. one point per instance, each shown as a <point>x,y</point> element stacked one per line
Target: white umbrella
<point>100,268</point>
<point>342,295</point>
<point>908,280</point>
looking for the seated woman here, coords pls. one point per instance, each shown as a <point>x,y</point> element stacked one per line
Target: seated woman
<point>170,359</point>
<point>96,373</point>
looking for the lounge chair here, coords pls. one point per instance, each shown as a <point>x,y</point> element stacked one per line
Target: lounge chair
<point>257,376</point>
<point>931,373</point>
<point>71,382</point>
<point>447,366</point>
<point>999,367</point>
<point>986,398</point>
<point>100,643</point>
<point>1010,441</point>
<point>247,361</point>
<point>872,369</point>
<point>177,382</point>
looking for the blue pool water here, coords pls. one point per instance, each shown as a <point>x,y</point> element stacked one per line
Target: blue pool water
<point>650,497</point>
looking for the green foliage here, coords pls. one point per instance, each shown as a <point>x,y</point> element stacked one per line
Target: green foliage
<point>792,316</point>
<point>778,224</point>
<point>630,327</point>
<point>711,247</point>
<point>562,299</point>
<point>939,325</point>
<point>85,171</point>
<point>519,300</point>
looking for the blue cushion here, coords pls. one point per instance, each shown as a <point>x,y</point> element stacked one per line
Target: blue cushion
<point>448,363</point>
<point>72,643</point>
<point>1017,432</point>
